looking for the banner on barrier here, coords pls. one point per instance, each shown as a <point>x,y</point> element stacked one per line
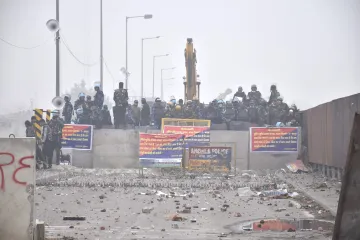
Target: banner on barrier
<point>210,158</point>
<point>161,150</point>
<point>281,139</point>
<point>194,136</point>
<point>78,137</point>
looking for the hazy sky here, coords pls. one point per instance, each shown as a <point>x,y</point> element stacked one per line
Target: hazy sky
<point>309,48</point>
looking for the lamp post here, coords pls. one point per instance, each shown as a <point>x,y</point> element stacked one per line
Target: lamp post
<point>146,16</point>
<point>142,62</point>
<point>101,47</point>
<point>154,57</point>
<point>162,81</point>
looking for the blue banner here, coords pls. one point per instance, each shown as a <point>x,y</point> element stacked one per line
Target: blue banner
<point>77,137</point>
<point>161,150</point>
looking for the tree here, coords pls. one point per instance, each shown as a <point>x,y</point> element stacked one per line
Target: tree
<point>81,87</point>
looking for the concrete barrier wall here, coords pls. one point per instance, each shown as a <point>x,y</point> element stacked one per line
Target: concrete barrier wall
<point>116,148</point>
<point>239,138</point>
<point>17,180</point>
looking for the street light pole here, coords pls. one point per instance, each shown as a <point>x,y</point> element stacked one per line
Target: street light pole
<point>146,16</point>
<point>101,48</point>
<point>142,62</point>
<point>162,81</point>
<point>57,51</point>
<point>154,57</point>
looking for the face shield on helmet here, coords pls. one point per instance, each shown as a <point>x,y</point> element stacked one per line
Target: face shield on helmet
<point>253,87</point>
<point>82,96</point>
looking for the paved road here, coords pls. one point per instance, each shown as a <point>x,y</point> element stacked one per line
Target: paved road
<point>112,202</point>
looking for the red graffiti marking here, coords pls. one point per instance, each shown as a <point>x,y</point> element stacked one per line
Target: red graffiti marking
<point>22,166</point>
<point>2,186</point>
<point>19,168</point>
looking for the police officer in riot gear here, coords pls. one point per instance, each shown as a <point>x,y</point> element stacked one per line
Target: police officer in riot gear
<point>105,116</point>
<point>254,94</point>
<point>145,113</point>
<point>98,105</point>
<point>158,112</point>
<point>68,110</point>
<point>79,107</point>
<point>121,103</point>
<point>274,94</point>
<point>240,94</point>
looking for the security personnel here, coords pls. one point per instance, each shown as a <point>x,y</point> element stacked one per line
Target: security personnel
<point>135,110</point>
<point>254,94</point>
<point>55,126</point>
<point>98,105</point>
<point>79,107</point>
<point>240,94</point>
<point>145,113</point>
<point>158,112</point>
<point>121,103</point>
<point>274,94</point>
<point>68,110</point>
<point>105,116</point>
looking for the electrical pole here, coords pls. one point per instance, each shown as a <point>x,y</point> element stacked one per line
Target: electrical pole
<point>57,52</point>
<point>101,48</point>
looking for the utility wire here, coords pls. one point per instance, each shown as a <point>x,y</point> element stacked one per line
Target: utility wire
<point>26,48</point>
<point>63,41</point>
<point>108,70</point>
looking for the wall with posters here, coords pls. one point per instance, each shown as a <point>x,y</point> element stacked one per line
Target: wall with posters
<point>17,180</point>
<point>119,148</point>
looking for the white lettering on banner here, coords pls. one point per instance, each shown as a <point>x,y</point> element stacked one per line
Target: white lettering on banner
<point>17,180</point>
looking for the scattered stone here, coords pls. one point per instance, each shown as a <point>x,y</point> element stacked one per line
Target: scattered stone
<point>103,210</point>
<point>71,227</point>
<point>193,220</point>
<point>102,228</point>
<point>223,235</point>
<point>163,230</point>
<point>238,215</point>
<point>223,209</point>
<point>186,210</point>
<point>147,209</point>
<point>290,204</point>
<point>323,185</point>
<point>262,221</point>
<point>135,227</point>
<point>204,209</point>
<point>211,209</point>
<point>76,218</point>
<point>291,230</point>
<point>320,229</point>
<point>195,206</point>
<point>102,196</point>
<point>287,215</point>
<point>280,209</point>
<point>175,226</point>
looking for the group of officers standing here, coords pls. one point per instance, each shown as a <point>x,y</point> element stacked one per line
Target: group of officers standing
<point>244,107</point>
<point>249,107</point>
<point>50,140</point>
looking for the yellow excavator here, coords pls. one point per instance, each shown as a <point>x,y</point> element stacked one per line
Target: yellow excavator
<point>191,83</point>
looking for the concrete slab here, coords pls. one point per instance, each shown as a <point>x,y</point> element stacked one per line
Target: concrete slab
<point>17,180</point>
